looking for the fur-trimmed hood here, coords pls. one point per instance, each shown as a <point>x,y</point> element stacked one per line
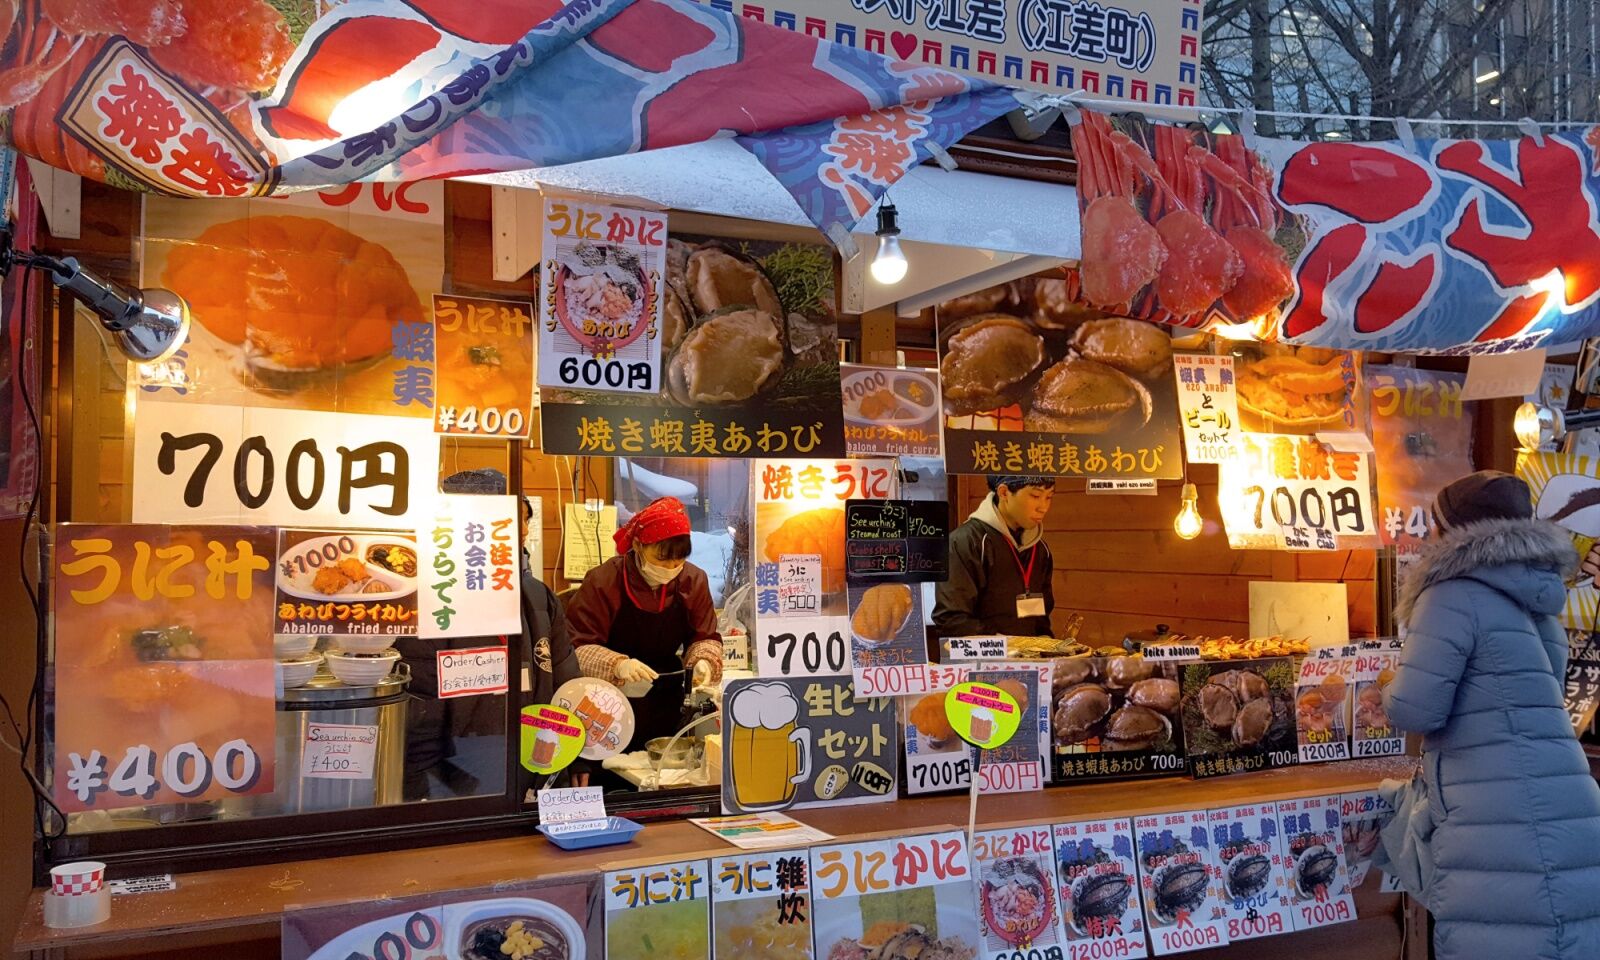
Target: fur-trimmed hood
<point>1528,560</point>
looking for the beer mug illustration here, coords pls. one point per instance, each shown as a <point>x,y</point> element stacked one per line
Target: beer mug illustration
<point>769,753</point>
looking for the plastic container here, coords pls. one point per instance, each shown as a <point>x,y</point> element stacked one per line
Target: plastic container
<point>293,646</point>
<point>360,670</point>
<point>617,830</point>
<point>299,671</point>
<point>366,643</point>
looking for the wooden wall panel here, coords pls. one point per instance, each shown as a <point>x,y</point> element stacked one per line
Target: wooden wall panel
<point>1119,564</point>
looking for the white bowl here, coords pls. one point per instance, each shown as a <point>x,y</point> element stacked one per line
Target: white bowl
<point>297,672</point>
<point>365,643</point>
<point>293,646</point>
<point>360,670</point>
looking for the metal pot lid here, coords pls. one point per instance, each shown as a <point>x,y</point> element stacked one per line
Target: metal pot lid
<point>324,688</point>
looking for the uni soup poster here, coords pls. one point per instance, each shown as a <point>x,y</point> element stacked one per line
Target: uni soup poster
<point>749,362</point>
<point>314,301</point>
<point>1035,382</point>
<point>806,742</point>
<point>164,676</point>
<point>658,911</point>
<point>1422,435</point>
<point>540,920</point>
<point>483,351</point>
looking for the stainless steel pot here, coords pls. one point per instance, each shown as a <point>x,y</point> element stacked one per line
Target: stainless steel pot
<point>381,709</point>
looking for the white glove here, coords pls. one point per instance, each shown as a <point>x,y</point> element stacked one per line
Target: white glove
<point>633,671</point>
<point>702,673</point>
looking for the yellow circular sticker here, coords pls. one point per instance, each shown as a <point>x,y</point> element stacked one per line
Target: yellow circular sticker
<point>982,714</point>
<point>551,738</point>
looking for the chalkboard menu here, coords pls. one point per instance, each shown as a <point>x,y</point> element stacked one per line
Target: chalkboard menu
<point>897,541</point>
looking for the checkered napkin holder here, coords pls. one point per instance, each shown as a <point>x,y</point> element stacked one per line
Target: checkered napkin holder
<point>78,895</point>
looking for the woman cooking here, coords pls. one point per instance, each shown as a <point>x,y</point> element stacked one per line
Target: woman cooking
<point>646,615</point>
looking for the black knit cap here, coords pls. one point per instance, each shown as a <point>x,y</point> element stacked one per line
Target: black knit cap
<point>1015,482</point>
<point>1485,495</point>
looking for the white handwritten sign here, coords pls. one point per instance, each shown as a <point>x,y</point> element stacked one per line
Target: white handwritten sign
<point>468,673</point>
<point>563,805</point>
<point>799,585</point>
<point>339,751</point>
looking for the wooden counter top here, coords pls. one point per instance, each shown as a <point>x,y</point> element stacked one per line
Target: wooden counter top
<point>251,899</point>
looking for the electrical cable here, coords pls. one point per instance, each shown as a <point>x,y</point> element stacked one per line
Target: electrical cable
<point>1103,103</point>
<point>35,597</point>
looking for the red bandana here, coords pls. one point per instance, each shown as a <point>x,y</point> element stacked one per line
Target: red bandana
<point>662,519</point>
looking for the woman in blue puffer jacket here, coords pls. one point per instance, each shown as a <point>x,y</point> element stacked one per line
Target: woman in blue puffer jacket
<point>1516,839</point>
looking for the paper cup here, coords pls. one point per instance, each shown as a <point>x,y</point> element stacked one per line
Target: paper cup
<point>77,879</point>
<point>78,895</point>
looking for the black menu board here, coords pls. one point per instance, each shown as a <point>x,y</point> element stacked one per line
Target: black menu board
<point>897,541</point>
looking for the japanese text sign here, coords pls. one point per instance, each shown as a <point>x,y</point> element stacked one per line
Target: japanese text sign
<point>1180,883</point>
<point>1250,857</point>
<point>1296,493</point>
<point>1017,765</point>
<point>888,639</point>
<point>889,412</point>
<point>1582,693</point>
<point>800,511</point>
<point>762,898</point>
<point>1017,890</point>
<point>469,567</point>
<point>339,751</point>
<point>164,680</point>
<point>1422,436</point>
<point>1208,406</point>
<point>936,759</point>
<point>1318,879</point>
<point>1361,815</point>
<point>1030,388</point>
<point>483,355</point>
<point>196,461</point>
<point>600,297</point>
<point>805,742</point>
<point>1322,703</point>
<point>902,541</point>
<point>1442,246</point>
<point>1099,890</point>
<point>1136,50</point>
<point>921,880</point>
<point>471,673</point>
<point>339,583</point>
<point>660,910</point>
<point>1371,733</point>
<point>799,585</point>
<point>749,346</point>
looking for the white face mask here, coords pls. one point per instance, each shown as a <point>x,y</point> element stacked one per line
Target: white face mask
<point>657,575</point>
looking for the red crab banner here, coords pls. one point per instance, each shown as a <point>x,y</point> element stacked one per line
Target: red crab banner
<point>1445,246</point>
<point>232,98</point>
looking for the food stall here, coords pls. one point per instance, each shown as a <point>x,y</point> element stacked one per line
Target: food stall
<point>302,680</point>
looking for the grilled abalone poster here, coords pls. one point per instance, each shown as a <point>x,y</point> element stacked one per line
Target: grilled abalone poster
<point>1035,382</point>
<point>749,362</point>
<point>1100,901</point>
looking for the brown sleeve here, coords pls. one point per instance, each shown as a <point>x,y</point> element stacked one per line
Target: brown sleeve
<point>696,596</point>
<point>589,615</point>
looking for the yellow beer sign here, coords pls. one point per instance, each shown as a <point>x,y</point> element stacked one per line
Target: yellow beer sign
<point>805,742</point>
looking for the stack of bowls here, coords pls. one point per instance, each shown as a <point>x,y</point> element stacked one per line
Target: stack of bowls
<point>361,661</point>
<point>298,659</point>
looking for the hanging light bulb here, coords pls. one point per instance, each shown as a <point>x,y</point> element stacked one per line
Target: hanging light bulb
<point>889,265</point>
<point>1189,524</point>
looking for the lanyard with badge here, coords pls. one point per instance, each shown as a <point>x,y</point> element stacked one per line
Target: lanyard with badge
<point>1029,604</point>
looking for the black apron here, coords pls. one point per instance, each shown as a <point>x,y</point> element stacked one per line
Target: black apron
<point>654,639</point>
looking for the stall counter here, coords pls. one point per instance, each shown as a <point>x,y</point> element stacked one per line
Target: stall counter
<point>243,905</point>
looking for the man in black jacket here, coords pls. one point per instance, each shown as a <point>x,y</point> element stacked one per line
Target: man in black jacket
<point>1000,567</point>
